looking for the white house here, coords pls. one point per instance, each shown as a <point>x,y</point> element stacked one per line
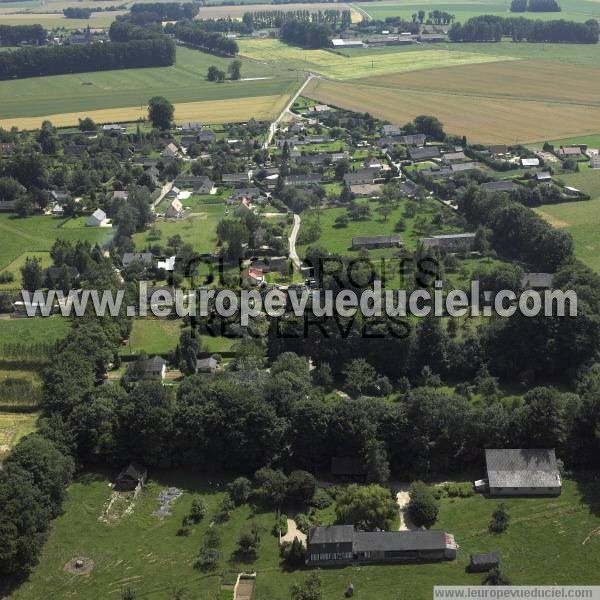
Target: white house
<point>97,219</point>
<point>595,161</point>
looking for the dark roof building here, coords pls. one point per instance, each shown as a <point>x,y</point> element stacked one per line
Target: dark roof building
<point>361,176</point>
<point>376,241</point>
<point>499,186</point>
<point>479,563</point>
<point>536,281</point>
<point>200,184</point>
<point>308,179</point>
<point>142,257</point>
<point>522,472</point>
<point>424,153</point>
<point>130,478</point>
<point>343,544</point>
<point>450,241</point>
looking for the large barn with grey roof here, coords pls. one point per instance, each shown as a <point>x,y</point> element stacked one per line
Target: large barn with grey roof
<point>522,472</point>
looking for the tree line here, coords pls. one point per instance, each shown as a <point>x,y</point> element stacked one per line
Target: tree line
<point>14,35</point>
<point>55,60</point>
<point>337,19</point>
<point>306,35</point>
<point>534,6</point>
<point>194,34</point>
<point>489,28</point>
<point>167,11</point>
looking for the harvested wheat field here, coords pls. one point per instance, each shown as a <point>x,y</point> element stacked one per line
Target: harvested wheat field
<point>518,79</point>
<point>212,111</point>
<point>236,11</point>
<point>481,119</point>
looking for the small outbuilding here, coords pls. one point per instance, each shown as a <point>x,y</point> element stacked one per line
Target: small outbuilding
<point>131,479</point>
<point>480,563</point>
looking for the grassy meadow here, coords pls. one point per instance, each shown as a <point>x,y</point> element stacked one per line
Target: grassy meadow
<point>340,66</point>
<point>580,219</point>
<point>37,234</point>
<point>196,228</point>
<point>575,10</point>
<point>82,93</point>
<point>549,540</point>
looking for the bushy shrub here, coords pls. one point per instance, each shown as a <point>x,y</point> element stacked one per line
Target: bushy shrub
<point>422,506</point>
<point>321,499</point>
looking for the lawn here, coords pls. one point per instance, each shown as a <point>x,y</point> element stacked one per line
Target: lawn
<point>160,336</point>
<point>580,219</point>
<point>182,83</point>
<point>197,228</point>
<point>340,66</point>
<point>339,239</point>
<point>15,268</point>
<point>24,332</point>
<point>38,234</point>
<point>548,541</point>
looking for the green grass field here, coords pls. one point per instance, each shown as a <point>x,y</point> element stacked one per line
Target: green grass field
<point>339,239</point>
<point>576,10</point>
<point>580,219</point>
<point>38,234</point>
<point>15,267</point>
<point>197,228</point>
<point>549,540</point>
<point>340,66</point>
<point>160,336</point>
<point>13,426</point>
<point>182,82</point>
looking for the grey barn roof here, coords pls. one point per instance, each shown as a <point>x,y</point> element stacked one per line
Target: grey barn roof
<point>499,186</point>
<point>332,535</point>
<point>522,468</point>
<point>388,541</point>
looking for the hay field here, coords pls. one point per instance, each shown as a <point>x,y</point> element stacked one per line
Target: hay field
<point>54,20</point>
<point>522,79</point>
<point>339,66</point>
<point>210,111</point>
<point>501,102</point>
<point>13,426</point>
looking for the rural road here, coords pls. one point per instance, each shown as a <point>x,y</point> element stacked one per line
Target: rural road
<point>362,11</point>
<point>288,106</point>
<point>292,240</point>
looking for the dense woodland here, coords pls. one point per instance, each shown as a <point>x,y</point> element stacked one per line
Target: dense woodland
<point>194,34</point>
<point>487,28</point>
<point>337,19</point>
<point>534,6</point>
<point>14,35</point>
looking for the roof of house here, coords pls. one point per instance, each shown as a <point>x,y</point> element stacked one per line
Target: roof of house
<point>425,152</point>
<point>206,363</point>
<point>468,166</point>
<point>98,214</point>
<point>175,205</point>
<point>522,468</point>
<point>543,176</point>
<point>530,162</point>
<point>389,541</point>
<point>134,472</point>
<point>536,280</point>
<point>499,186</point>
<point>454,156</point>
<point>570,151</point>
<point>130,257</point>
<point>376,239</point>
<point>155,364</point>
<point>333,534</point>
<point>488,558</point>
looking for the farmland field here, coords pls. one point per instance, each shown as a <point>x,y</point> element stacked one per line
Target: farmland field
<point>481,119</point>
<point>55,20</point>
<point>38,234</point>
<point>576,10</point>
<point>183,82</point>
<point>15,267</point>
<point>339,66</point>
<point>143,553</point>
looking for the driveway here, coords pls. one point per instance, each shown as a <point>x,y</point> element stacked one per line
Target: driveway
<point>292,241</point>
<point>293,532</point>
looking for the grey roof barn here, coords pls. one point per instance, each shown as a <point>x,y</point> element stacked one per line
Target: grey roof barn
<point>519,471</point>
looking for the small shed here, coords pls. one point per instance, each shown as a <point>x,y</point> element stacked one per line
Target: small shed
<point>131,478</point>
<point>480,563</point>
